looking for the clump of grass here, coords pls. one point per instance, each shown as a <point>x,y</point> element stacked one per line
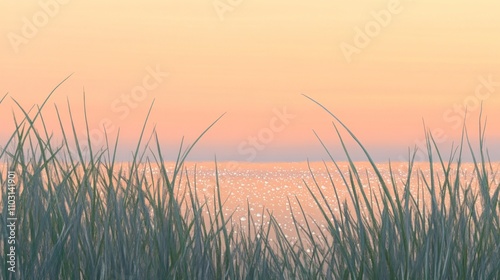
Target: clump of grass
<point>85,217</point>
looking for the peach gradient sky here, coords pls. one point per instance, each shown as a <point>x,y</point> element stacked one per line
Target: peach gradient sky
<point>253,59</point>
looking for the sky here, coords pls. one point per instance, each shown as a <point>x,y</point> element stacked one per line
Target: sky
<point>383,67</point>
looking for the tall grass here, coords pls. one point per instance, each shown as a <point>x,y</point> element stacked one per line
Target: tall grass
<point>90,218</point>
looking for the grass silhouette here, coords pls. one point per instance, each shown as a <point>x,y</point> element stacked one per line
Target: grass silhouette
<point>89,218</point>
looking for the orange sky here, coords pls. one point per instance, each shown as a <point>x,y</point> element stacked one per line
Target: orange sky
<point>381,66</point>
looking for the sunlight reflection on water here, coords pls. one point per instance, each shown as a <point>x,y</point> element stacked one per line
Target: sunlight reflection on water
<point>278,188</point>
